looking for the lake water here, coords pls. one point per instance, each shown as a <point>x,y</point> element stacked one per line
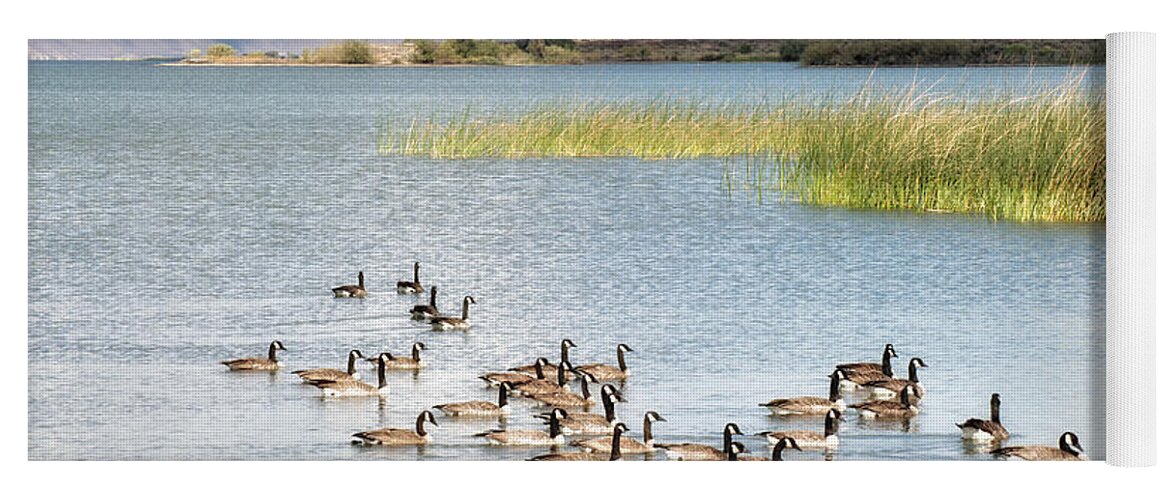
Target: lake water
<point>183,216</point>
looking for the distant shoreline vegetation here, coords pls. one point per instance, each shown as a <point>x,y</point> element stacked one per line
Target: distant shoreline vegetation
<point>566,51</point>
<point>1040,158</point>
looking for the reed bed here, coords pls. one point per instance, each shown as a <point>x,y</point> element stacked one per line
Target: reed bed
<point>1035,158</point>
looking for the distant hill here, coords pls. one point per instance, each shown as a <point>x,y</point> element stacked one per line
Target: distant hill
<point>82,50</point>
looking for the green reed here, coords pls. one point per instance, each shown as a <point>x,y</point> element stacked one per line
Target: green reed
<point>1035,158</point>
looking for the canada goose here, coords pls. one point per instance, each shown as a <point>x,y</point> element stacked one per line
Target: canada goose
<point>976,429</point>
<point>777,455</point>
<point>567,399</point>
<point>554,437</point>
<point>780,447</point>
<point>734,452</point>
<point>591,423</point>
<point>399,437</point>
<point>352,291</point>
<point>543,386</point>
<point>606,372</point>
<point>348,388</point>
<point>411,286</point>
<point>333,374</point>
<point>270,364</point>
<point>812,439</point>
<point>479,408</point>
<point>566,344</point>
<point>857,374</point>
<point>905,408</point>
<point>615,443</point>
<point>1068,449</point>
<point>810,405</point>
<point>412,363</point>
<point>890,388</point>
<point>514,378</point>
<point>426,311</point>
<point>701,452</point>
<point>445,323</point>
<point>629,445</point>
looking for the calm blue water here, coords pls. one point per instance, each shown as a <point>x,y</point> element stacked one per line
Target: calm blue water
<point>181,216</point>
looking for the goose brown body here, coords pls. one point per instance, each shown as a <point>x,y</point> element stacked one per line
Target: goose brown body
<point>352,291</point>
<point>269,364</point>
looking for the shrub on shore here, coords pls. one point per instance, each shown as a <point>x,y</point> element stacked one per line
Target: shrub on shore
<point>347,52</point>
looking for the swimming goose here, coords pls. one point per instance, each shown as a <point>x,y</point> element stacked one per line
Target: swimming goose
<point>606,372</point>
<point>777,455</point>
<point>323,374</point>
<point>554,437</point>
<point>976,429</point>
<point>812,439</point>
<point>890,388</point>
<point>495,379</point>
<point>350,388</point>
<point>352,291</point>
<point>426,311</point>
<point>412,363</point>
<point>411,286</point>
<point>446,323</point>
<point>543,386</point>
<point>270,364</point>
<point>566,344</point>
<point>584,423</point>
<point>734,451</point>
<point>905,408</point>
<point>399,437</point>
<point>628,445</point>
<point>810,405</point>
<point>1068,449</point>
<point>615,443</point>
<point>701,452</point>
<point>479,408</point>
<point>567,399</point>
<point>856,374</point>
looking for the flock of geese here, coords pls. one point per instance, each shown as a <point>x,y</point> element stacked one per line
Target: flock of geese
<point>881,395</point>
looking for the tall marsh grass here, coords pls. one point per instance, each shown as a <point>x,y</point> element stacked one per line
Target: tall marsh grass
<point>1035,158</point>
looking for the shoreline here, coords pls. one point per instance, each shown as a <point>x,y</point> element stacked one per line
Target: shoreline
<point>598,63</point>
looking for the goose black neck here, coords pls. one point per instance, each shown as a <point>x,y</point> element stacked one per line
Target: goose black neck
<point>835,383</point>
<point>272,352</point>
<point>608,405</point>
<point>381,372</point>
<point>419,424</point>
<point>585,388</point>
<point>433,294</point>
<point>502,399</point>
<point>621,360</point>
<point>415,352</point>
<point>350,363</point>
<point>465,314</point>
<point>778,450</point>
<point>647,437</point>
<point>561,375</point>
<point>540,370</point>
<point>416,273</point>
<point>913,372</point>
<point>996,411</point>
<point>564,352</point>
<point>616,445</point>
<point>727,440</point>
<point>554,425</point>
<point>886,368</point>
<point>831,425</point>
<point>361,280</point>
